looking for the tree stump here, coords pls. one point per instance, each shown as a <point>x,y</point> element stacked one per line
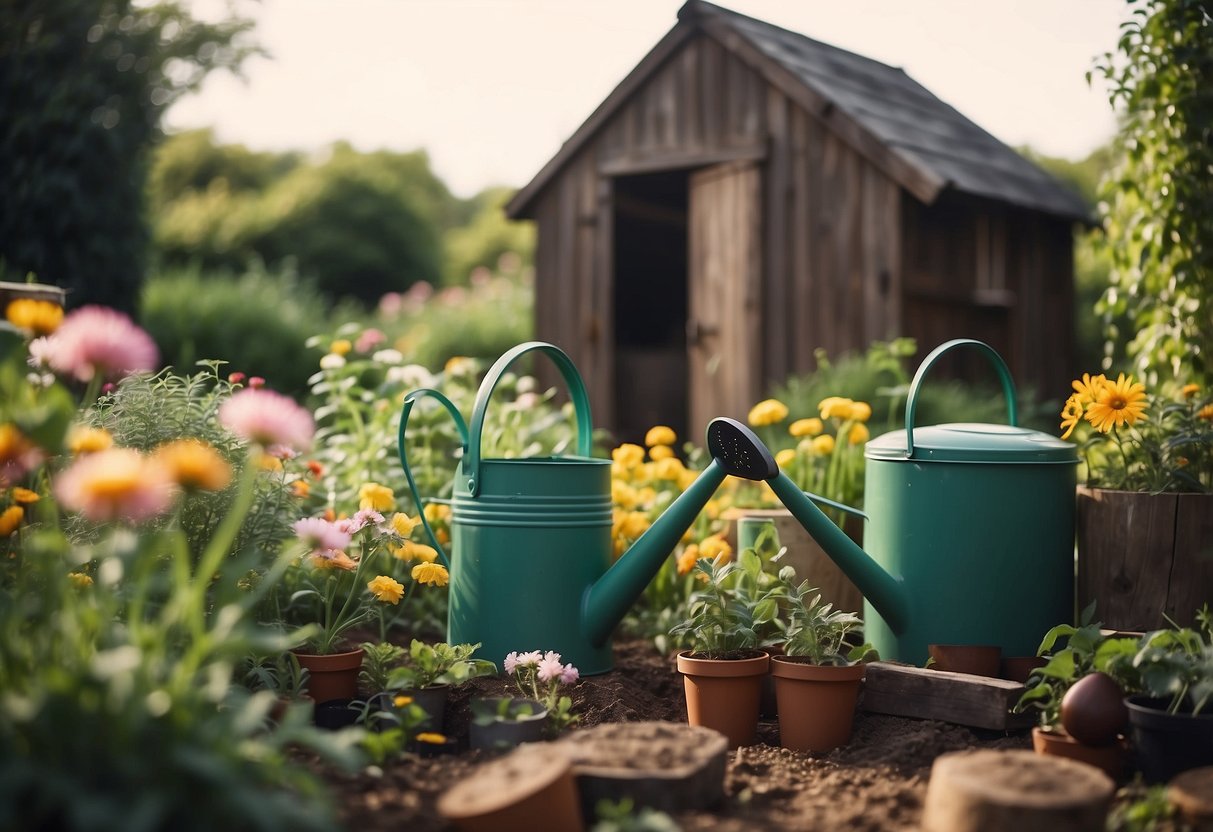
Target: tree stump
<point>1012,791</point>
<point>1192,794</point>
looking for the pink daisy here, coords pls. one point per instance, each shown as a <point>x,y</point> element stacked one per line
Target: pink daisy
<point>268,418</point>
<point>95,340</point>
<point>320,534</point>
<point>569,675</point>
<point>119,483</point>
<point>511,662</point>
<point>549,669</point>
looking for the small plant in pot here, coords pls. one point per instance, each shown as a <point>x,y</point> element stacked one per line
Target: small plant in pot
<point>817,679</point>
<point>1079,693</point>
<point>428,670</point>
<point>504,721</point>
<point>282,676</point>
<point>723,671</point>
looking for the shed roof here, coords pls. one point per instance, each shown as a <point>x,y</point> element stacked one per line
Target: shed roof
<point>921,142</point>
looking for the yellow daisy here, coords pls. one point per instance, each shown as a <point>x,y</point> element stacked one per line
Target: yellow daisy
<point>1118,403</point>
<point>1071,412</point>
<point>1087,389</point>
<point>386,589</point>
<point>434,574</point>
<point>767,412</point>
<point>806,427</point>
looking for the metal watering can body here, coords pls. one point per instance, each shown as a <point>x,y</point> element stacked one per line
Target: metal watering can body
<point>970,531</point>
<point>531,549</point>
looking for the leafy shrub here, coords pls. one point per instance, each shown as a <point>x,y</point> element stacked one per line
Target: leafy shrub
<point>258,322</point>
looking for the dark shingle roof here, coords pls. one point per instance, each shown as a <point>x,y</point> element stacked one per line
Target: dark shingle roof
<point>933,147</point>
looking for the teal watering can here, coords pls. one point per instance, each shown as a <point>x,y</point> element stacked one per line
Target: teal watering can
<point>531,550</point>
<point>969,530</point>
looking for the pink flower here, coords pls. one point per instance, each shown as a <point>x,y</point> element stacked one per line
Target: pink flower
<point>282,452</point>
<point>236,378</point>
<point>256,382</point>
<point>511,663</point>
<point>363,518</point>
<point>267,418</point>
<point>321,535</point>
<point>569,675</point>
<point>119,483</point>
<point>369,339</point>
<point>95,340</point>
<point>531,659</point>
<point>550,669</point>
<point>551,656</point>
<point>390,304</point>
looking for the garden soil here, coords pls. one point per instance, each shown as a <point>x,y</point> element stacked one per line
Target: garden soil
<point>876,782</point>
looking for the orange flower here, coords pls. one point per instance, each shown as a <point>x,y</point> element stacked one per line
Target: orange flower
<point>334,559</point>
<point>686,561</point>
<point>39,317</point>
<point>300,488</point>
<point>10,520</point>
<point>25,496</point>
<point>194,465</point>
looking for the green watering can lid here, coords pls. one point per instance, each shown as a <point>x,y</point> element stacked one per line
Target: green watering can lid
<point>973,442</point>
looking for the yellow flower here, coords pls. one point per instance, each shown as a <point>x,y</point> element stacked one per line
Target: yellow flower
<point>10,519</point>
<point>269,462</point>
<point>80,579</point>
<point>25,496</point>
<point>1071,412</point>
<point>635,523</point>
<point>1087,388</point>
<point>806,427</point>
<point>715,547</point>
<point>824,444</point>
<point>835,406</point>
<point>402,701</point>
<point>661,452</point>
<point>403,525</point>
<point>686,478</point>
<point>337,560</point>
<point>622,494</point>
<point>861,411</point>
<point>300,488</point>
<point>858,434</point>
<point>431,737</point>
<point>40,317</point>
<point>628,455</point>
<point>340,347</point>
<point>668,469</point>
<point>437,512</point>
<point>82,439</point>
<point>458,365</point>
<point>686,561</point>
<point>1119,403</point>
<point>431,573</point>
<point>767,412</point>
<point>1206,413</point>
<point>374,496</point>
<point>660,435</point>
<point>785,457</point>
<point>408,550</point>
<point>386,589</point>
<point>1190,390</point>
<point>193,464</point>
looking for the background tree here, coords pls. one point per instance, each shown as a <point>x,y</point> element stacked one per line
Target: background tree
<point>1159,202</point>
<point>83,87</point>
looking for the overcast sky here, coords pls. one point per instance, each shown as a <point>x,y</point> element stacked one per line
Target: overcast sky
<point>491,88</point>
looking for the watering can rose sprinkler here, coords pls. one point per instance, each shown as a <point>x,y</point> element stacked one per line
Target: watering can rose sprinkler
<point>530,558</point>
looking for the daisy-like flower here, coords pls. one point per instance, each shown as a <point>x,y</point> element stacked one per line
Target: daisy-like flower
<point>1190,390</point>
<point>119,483</point>
<point>362,518</point>
<point>1118,403</point>
<point>1087,388</point>
<point>386,589</point>
<point>194,465</point>
<point>97,341</point>
<point>320,534</point>
<point>550,668</point>
<point>1071,412</point>
<point>806,427</point>
<point>376,496</point>
<point>82,439</point>
<point>767,412</point>
<point>300,488</point>
<point>403,525</point>
<point>268,418</point>
<point>531,659</point>
<point>569,675</point>
<point>660,435</point>
<point>434,574</point>
<point>39,317</point>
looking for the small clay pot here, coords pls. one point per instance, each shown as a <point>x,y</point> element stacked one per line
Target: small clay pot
<point>1019,668</point>
<point>724,694</point>
<point>333,675</point>
<point>1108,758</point>
<point>976,659</point>
<point>530,788</point>
<point>816,703</point>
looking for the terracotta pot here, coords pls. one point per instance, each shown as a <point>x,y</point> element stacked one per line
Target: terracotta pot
<point>724,694</point>
<point>977,659</point>
<point>1108,758</point>
<point>816,703</point>
<point>531,788</point>
<point>332,676</point>
<point>1018,668</point>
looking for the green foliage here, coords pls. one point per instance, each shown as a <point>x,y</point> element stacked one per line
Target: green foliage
<point>486,711</point>
<point>489,240</point>
<point>819,632</point>
<point>1158,196</point>
<point>279,672</point>
<point>258,322</point>
<point>190,163</point>
<point>438,664</point>
<point>378,661</point>
<point>1142,808</point>
<point>1174,665</point>
<point>720,620</point>
<point>623,816</point>
<point>83,87</point>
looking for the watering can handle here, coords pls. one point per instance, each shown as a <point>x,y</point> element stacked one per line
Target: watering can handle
<point>577,394</point>
<point>408,474</point>
<point>1004,375</point>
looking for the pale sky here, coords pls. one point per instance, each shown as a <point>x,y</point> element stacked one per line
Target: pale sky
<point>491,88</point>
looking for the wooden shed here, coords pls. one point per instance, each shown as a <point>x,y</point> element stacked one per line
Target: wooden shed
<point>748,194</point>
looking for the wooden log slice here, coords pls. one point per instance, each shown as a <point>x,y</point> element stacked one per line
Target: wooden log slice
<point>664,765</point>
<point>1014,791</point>
<point>1192,794</point>
<point>531,789</point>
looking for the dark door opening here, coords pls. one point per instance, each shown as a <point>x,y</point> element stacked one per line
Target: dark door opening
<point>650,296</point>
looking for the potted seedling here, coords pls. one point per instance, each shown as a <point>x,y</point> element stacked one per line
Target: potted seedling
<point>723,670</point>
<point>817,679</point>
<point>504,721</point>
<point>1079,693</point>
<point>430,669</point>
<point>282,676</point>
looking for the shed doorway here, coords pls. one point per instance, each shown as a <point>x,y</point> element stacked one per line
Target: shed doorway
<point>650,303</point>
